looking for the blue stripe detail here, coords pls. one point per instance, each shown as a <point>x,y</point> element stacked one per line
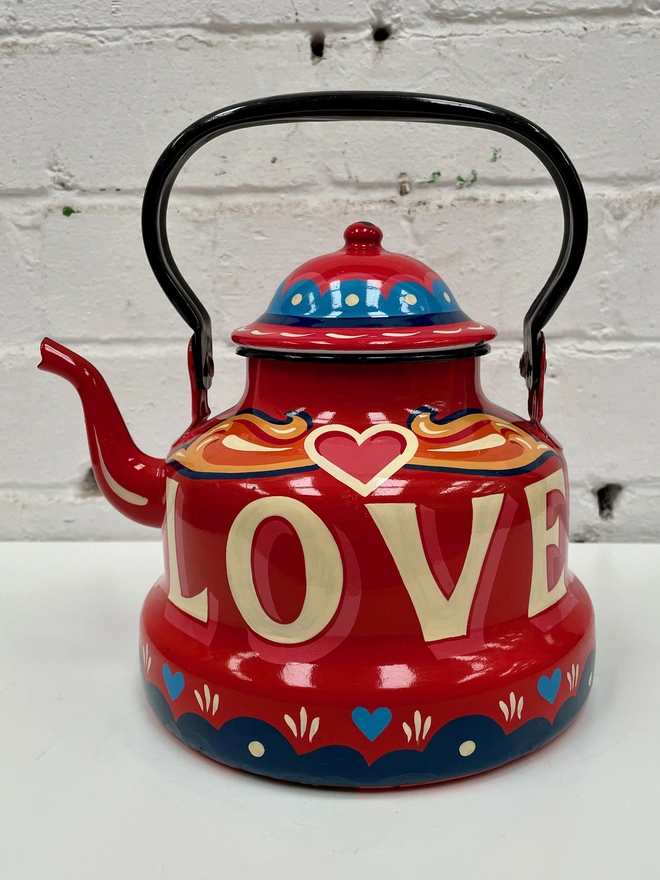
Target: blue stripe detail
<point>272,420</point>
<point>242,475</point>
<point>432,411</point>
<point>511,472</point>
<point>430,319</point>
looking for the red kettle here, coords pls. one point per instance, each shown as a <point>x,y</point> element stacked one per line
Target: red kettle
<point>366,578</point>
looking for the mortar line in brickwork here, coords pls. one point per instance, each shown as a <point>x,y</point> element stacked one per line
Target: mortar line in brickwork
<point>538,23</point>
<point>594,346</point>
<point>174,31</point>
<point>94,196</point>
<point>446,27</point>
<point>143,347</point>
<point>597,186</point>
<point>580,338</point>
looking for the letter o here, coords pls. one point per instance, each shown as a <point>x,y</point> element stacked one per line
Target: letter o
<point>324,573</point>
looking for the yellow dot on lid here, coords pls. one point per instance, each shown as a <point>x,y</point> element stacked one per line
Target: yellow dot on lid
<point>296,299</point>
<point>447,297</point>
<point>256,748</point>
<point>467,748</point>
<point>352,299</point>
<point>411,299</point>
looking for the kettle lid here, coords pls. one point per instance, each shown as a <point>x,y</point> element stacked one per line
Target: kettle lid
<point>362,300</point>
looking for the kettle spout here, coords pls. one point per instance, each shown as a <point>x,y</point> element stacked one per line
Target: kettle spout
<point>132,482</point>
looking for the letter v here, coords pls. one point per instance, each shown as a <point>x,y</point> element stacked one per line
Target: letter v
<point>440,617</point>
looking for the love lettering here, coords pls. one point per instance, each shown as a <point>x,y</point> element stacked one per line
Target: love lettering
<point>442,613</point>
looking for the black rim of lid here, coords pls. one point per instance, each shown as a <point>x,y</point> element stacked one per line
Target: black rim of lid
<point>447,354</point>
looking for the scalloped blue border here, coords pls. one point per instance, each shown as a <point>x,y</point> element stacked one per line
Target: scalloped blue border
<point>346,767</point>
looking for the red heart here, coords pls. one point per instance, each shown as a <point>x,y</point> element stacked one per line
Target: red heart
<point>361,461</point>
<point>365,460</point>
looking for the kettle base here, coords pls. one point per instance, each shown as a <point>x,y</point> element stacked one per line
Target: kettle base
<point>542,683</point>
<point>463,747</point>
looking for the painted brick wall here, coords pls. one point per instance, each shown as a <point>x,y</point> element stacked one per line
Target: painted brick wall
<point>92,91</point>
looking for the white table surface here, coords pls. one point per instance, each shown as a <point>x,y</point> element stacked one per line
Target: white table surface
<point>91,786</point>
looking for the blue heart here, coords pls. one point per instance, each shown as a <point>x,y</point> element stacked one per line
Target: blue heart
<point>549,687</point>
<point>371,724</point>
<point>173,683</point>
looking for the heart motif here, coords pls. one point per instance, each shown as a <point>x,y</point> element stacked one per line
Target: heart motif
<point>173,683</point>
<point>371,724</point>
<point>364,460</point>
<point>549,687</point>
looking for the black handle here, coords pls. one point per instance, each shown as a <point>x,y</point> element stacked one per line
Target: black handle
<point>336,106</point>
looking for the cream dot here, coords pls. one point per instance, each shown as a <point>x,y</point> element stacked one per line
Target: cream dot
<point>591,678</point>
<point>352,299</point>
<point>411,299</point>
<point>256,748</point>
<point>296,299</point>
<point>467,748</point>
<point>447,297</point>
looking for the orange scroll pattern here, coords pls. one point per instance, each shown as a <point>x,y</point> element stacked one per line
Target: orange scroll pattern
<point>249,443</point>
<point>252,443</point>
<point>474,441</point>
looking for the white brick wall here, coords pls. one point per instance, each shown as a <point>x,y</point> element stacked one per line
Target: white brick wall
<point>91,93</point>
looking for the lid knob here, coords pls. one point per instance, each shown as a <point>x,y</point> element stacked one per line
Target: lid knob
<point>361,300</point>
<point>362,235</point>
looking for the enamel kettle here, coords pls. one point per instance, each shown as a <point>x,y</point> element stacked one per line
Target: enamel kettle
<point>366,578</point>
